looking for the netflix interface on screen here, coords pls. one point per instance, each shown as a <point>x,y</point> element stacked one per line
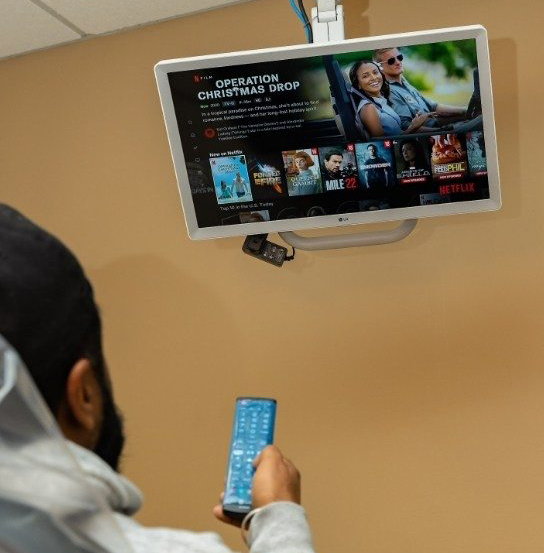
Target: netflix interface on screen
<point>333,134</point>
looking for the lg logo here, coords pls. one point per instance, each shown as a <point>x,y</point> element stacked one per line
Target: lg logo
<point>341,219</point>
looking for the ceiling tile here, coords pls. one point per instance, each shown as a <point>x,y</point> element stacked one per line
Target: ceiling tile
<point>104,16</point>
<point>25,27</point>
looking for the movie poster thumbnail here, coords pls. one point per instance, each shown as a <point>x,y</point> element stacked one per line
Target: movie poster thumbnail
<point>434,198</point>
<point>373,205</point>
<point>231,179</point>
<point>477,159</point>
<point>316,211</point>
<point>302,172</point>
<point>265,173</point>
<point>246,217</point>
<point>448,157</point>
<point>338,168</point>
<point>412,160</point>
<point>375,164</point>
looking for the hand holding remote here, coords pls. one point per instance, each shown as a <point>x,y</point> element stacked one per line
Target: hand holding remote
<point>275,479</point>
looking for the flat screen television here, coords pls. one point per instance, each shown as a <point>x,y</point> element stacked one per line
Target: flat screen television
<point>324,135</point>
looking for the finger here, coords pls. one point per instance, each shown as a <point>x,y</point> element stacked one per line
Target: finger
<point>272,450</point>
<point>266,452</point>
<point>257,460</point>
<point>288,462</point>
<point>220,515</point>
<point>292,468</point>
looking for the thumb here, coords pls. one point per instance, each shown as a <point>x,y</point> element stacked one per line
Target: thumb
<point>266,452</point>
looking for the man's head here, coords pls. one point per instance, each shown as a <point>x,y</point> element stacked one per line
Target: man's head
<point>48,314</point>
<point>390,60</point>
<point>372,151</point>
<point>333,161</point>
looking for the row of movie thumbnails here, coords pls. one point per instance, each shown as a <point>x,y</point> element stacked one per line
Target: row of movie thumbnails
<point>377,165</point>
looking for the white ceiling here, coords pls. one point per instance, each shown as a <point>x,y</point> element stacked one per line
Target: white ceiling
<point>28,25</point>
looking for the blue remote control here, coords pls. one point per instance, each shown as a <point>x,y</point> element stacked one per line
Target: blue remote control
<point>252,430</point>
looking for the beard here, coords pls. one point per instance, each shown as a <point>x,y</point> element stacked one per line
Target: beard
<point>111,439</point>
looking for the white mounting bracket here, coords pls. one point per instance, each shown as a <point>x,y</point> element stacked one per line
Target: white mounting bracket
<point>328,21</point>
<point>328,26</point>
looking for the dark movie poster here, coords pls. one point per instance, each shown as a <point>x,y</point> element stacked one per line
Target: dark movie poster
<point>246,217</point>
<point>338,168</point>
<point>375,164</point>
<point>266,175</point>
<point>477,159</point>
<point>412,160</point>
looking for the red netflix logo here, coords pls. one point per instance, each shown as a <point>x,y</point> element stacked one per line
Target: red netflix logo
<point>197,78</point>
<point>456,188</point>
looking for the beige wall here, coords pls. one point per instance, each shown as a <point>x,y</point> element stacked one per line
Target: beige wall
<point>409,377</point>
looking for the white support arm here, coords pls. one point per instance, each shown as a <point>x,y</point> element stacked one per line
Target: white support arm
<point>334,242</point>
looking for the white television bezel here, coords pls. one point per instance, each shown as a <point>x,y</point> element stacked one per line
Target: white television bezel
<point>477,32</point>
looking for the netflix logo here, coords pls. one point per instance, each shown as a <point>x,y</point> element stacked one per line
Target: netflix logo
<point>456,188</point>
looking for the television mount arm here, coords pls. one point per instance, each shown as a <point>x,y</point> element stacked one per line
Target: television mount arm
<point>328,21</point>
<point>328,26</point>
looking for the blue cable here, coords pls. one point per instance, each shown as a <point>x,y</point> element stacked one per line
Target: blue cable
<point>297,11</point>
<point>305,22</point>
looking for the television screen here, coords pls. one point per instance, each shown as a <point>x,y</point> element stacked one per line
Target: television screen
<point>365,130</point>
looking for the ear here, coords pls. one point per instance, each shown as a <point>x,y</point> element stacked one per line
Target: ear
<point>83,403</point>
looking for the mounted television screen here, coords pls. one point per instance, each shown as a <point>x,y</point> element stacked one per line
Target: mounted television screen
<point>366,130</point>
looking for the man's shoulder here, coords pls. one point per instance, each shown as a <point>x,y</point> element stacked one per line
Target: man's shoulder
<point>408,85</point>
<point>397,94</point>
<point>398,89</point>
